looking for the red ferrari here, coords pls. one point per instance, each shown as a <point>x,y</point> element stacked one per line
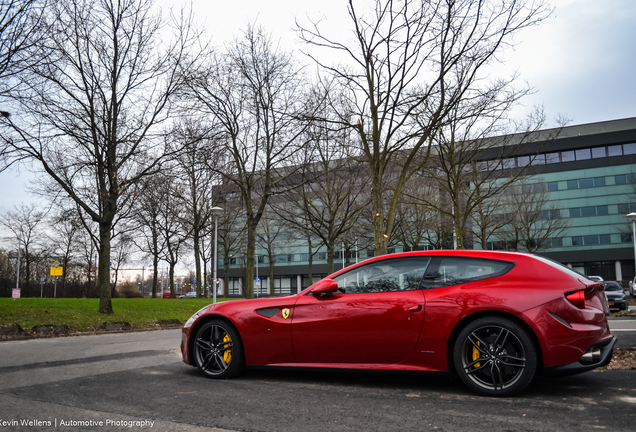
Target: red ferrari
<point>495,319</point>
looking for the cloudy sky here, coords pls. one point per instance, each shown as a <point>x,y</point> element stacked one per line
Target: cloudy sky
<point>581,60</point>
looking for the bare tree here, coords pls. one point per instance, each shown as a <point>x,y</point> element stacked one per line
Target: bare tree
<point>415,220</point>
<point>147,216</point>
<point>488,217</point>
<point>23,223</point>
<point>535,220</point>
<point>20,27</point>
<point>63,237</point>
<point>232,230</point>
<point>252,93</point>
<point>121,257</point>
<point>473,156</point>
<point>197,181</point>
<point>90,112</point>
<point>410,64</point>
<point>331,193</point>
<point>173,236</point>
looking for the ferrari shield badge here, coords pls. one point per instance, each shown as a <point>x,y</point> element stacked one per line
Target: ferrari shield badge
<point>285,313</point>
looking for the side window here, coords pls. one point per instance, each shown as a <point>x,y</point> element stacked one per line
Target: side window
<point>447,271</point>
<point>398,274</point>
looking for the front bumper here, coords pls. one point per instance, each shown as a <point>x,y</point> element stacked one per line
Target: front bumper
<point>604,348</point>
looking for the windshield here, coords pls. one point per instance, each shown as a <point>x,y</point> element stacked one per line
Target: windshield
<point>613,286</point>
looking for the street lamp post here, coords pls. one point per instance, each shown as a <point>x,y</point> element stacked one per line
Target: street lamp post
<point>632,218</point>
<point>216,211</point>
<point>17,278</point>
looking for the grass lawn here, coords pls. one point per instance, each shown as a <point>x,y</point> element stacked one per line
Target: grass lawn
<point>82,314</point>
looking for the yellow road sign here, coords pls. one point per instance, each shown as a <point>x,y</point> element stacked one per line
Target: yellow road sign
<point>57,271</point>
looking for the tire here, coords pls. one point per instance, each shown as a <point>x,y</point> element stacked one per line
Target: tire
<point>218,351</point>
<point>494,356</point>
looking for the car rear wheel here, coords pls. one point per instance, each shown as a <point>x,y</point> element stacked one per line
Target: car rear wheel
<point>494,356</point>
<point>218,351</point>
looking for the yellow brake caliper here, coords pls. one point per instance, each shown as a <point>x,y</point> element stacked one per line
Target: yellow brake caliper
<point>227,354</point>
<point>476,355</point>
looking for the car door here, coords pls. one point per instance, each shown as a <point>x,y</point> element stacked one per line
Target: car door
<point>377,319</point>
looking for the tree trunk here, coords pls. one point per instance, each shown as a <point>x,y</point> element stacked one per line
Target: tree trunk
<point>310,264</point>
<point>103,274</point>
<point>330,252</point>
<point>249,264</point>
<point>380,237</point>
<point>173,291</point>
<point>197,260</point>
<point>155,275</point>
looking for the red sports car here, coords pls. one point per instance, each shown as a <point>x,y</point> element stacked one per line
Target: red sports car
<point>495,319</point>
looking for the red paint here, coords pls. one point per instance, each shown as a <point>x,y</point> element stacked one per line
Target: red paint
<point>410,330</point>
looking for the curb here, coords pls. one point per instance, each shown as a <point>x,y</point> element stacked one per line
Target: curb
<point>97,332</point>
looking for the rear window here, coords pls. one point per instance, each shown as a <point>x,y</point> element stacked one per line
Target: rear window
<point>447,271</point>
<point>563,268</point>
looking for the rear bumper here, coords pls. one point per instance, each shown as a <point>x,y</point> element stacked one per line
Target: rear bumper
<point>605,347</point>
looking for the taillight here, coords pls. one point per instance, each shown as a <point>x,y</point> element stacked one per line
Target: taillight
<point>577,299</point>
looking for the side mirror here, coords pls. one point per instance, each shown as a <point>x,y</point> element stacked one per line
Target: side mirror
<point>325,286</point>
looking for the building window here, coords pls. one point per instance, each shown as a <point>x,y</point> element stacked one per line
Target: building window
<point>599,152</point>
<point>629,148</point>
<point>567,156</point>
<point>586,183</point>
<point>553,186</point>
<point>573,184</point>
<point>322,256</point>
<point>575,212</point>
<point>615,150</point>
<point>599,181</point>
<point>601,210</point>
<point>523,161</point>
<point>626,238</point>
<point>590,240</point>
<point>509,163</point>
<point>605,239</point>
<point>538,160</point>
<point>577,241</point>
<point>588,211</point>
<point>583,154</point>
<point>624,179</point>
<point>552,158</point>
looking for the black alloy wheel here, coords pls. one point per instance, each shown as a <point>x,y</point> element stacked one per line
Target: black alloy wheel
<point>218,351</point>
<point>494,356</point>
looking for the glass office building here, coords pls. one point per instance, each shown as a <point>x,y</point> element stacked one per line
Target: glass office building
<point>589,171</point>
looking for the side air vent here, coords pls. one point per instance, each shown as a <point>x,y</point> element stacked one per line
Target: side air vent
<point>268,312</point>
<point>561,320</point>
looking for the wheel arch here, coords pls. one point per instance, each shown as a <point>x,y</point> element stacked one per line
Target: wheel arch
<point>200,323</point>
<point>484,314</point>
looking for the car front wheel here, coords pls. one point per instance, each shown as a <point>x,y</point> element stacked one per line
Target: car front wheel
<point>494,356</point>
<point>218,351</point>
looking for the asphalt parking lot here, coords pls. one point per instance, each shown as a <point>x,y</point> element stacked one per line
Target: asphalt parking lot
<point>136,381</point>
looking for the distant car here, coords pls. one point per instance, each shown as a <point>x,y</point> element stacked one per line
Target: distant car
<point>632,287</point>
<point>191,294</point>
<point>166,293</point>
<point>496,319</point>
<point>596,278</point>
<point>616,298</point>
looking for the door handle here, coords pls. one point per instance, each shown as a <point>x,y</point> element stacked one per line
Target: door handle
<point>415,308</point>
